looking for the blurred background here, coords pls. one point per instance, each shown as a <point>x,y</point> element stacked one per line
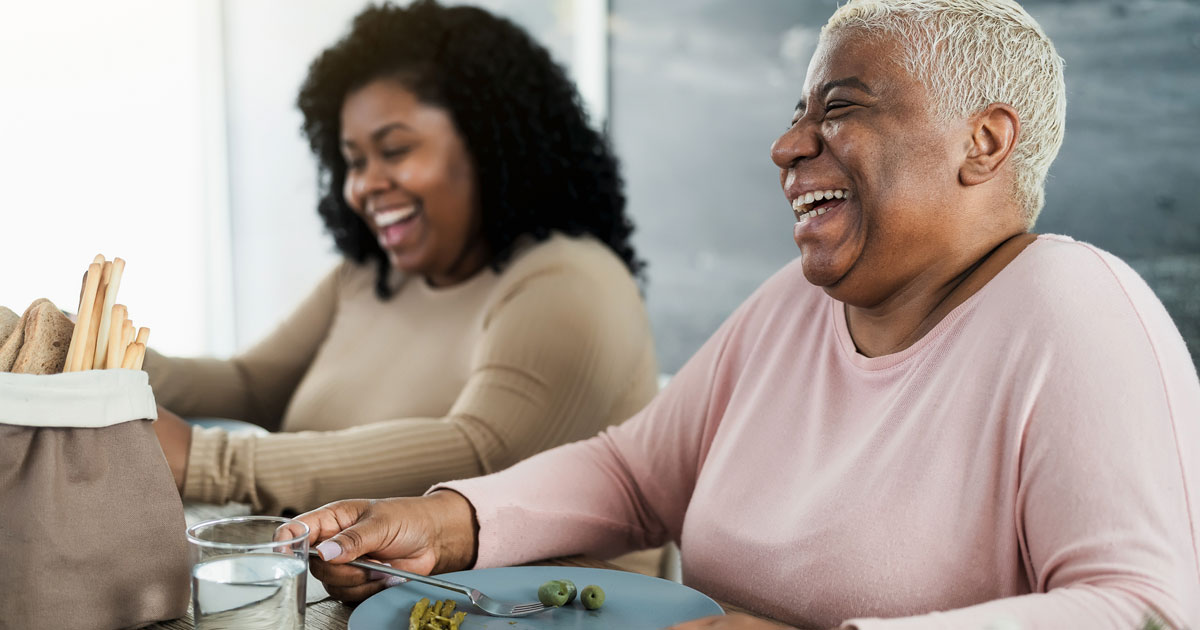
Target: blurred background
<point>166,133</point>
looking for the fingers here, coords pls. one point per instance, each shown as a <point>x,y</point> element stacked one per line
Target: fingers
<point>325,523</point>
<point>355,539</point>
<point>350,584</point>
<point>351,594</point>
<point>338,575</point>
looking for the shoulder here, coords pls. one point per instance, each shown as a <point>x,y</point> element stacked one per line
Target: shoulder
<point>575,255</point>
<point>566,279</point>
<point>1083,309</point>
<point>568,267</point>
<point>1060,279</point>
<point>352,280</point>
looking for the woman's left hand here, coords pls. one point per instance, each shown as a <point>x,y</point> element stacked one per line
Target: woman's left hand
<point>735,621</point>
<point>175,438</point>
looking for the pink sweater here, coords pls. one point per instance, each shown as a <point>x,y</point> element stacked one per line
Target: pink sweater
<point>1034,459</point>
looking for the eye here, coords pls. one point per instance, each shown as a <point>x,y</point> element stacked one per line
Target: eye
<point>837,107</point>
<point>396,152</point>
<point>355,163</point>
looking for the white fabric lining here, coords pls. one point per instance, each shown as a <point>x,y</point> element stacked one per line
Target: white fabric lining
<point>88,399</point>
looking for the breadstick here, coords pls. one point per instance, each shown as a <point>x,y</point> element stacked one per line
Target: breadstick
<point>140,356</point>
<point>99,260</point>
<point>89,348</point>
<point>143,336</point>
<point>113,282</point>
<point>84,322</point>
<point>131,355</point>
<point>126,336</point>
<point>78,308</point>
<point>114,351</point>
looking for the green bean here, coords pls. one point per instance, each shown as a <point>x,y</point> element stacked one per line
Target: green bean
<point>418,610</point>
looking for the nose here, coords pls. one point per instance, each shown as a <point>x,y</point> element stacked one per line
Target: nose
<point>373,178</point>
<point>800,141</point>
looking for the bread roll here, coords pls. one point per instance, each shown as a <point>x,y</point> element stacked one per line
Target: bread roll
<point>11,335</point>
<point>47,337</point>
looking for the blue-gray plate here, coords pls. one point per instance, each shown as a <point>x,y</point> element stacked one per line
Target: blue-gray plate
<point>632,601</point>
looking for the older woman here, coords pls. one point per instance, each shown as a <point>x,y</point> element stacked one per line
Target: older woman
<point>486,309</point>
<point>932,419</point>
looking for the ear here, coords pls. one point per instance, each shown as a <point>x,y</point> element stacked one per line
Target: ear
<point>994,133</point>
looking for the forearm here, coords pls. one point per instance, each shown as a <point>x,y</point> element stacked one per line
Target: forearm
<point>294,472</point>
<point>1115,606</point>
<point>578,498</point>
<point>215,388</point>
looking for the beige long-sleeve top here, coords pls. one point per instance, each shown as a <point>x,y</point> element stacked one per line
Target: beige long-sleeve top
<point>385,398</point>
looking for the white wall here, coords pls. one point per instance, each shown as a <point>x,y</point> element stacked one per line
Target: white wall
<point>101,122</point>
<point>279,249</point>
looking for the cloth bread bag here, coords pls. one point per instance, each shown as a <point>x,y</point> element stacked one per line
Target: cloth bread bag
<point>91,524</point>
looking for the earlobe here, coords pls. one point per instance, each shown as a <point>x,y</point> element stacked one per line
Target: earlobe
<point>994,133</point>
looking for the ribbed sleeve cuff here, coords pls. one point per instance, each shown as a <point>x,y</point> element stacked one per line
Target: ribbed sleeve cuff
<point>214,461</point>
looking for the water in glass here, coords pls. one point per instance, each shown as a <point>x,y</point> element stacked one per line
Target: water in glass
<point>249,591</point>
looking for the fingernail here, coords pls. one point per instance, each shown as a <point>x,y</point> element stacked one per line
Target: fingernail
<point>393,580</point>
<point>329,550</point>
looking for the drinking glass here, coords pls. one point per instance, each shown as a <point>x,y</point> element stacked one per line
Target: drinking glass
<point>242,577</point>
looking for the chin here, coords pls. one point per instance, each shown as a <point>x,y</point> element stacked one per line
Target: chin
<point>821,271</point>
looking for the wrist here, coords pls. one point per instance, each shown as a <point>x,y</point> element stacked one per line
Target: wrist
<point>456,531</point>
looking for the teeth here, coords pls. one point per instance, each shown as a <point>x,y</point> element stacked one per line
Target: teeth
<point>384,219</point>
<point>800,205</point>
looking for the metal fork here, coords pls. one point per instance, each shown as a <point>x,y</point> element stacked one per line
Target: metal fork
<point>493,607</point>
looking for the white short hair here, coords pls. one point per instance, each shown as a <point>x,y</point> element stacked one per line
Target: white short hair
<point>970,54</point>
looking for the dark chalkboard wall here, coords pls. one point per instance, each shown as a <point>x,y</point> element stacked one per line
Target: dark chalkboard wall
<point>700,88</point>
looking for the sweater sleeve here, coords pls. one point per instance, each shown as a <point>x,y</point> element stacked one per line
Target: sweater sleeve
<point>1107,475</point>
<point>555,356</point>
<point>256,385</point>
<point>627,488</point>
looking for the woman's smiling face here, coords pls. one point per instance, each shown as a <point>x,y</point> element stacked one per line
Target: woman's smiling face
<point>411,179</point>
<point>864,130</point>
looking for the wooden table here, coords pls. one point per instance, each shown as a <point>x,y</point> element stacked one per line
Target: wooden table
<point>333,615</point>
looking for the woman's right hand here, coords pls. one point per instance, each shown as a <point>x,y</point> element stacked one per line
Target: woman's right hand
<point>430,534</point>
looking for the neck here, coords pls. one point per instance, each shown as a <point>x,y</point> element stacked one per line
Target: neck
<point>910,313</point>
<point>473,258</point>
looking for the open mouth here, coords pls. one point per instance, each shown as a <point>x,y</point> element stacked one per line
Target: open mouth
<point>392,217</point>
<point>392,225</point>
<point>818,202</point>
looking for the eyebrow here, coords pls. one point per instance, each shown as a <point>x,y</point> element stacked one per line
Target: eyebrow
<point>378,134</point>
<point>853,82</point>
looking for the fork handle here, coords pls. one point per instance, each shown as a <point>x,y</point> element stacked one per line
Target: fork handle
<point>415,577</point>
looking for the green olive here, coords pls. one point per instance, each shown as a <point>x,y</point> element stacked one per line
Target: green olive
<point>571,590</point>
<point>592,597</point>
<point>552,593</point>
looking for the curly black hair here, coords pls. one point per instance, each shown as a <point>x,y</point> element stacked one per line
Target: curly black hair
<point>539,167</point>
